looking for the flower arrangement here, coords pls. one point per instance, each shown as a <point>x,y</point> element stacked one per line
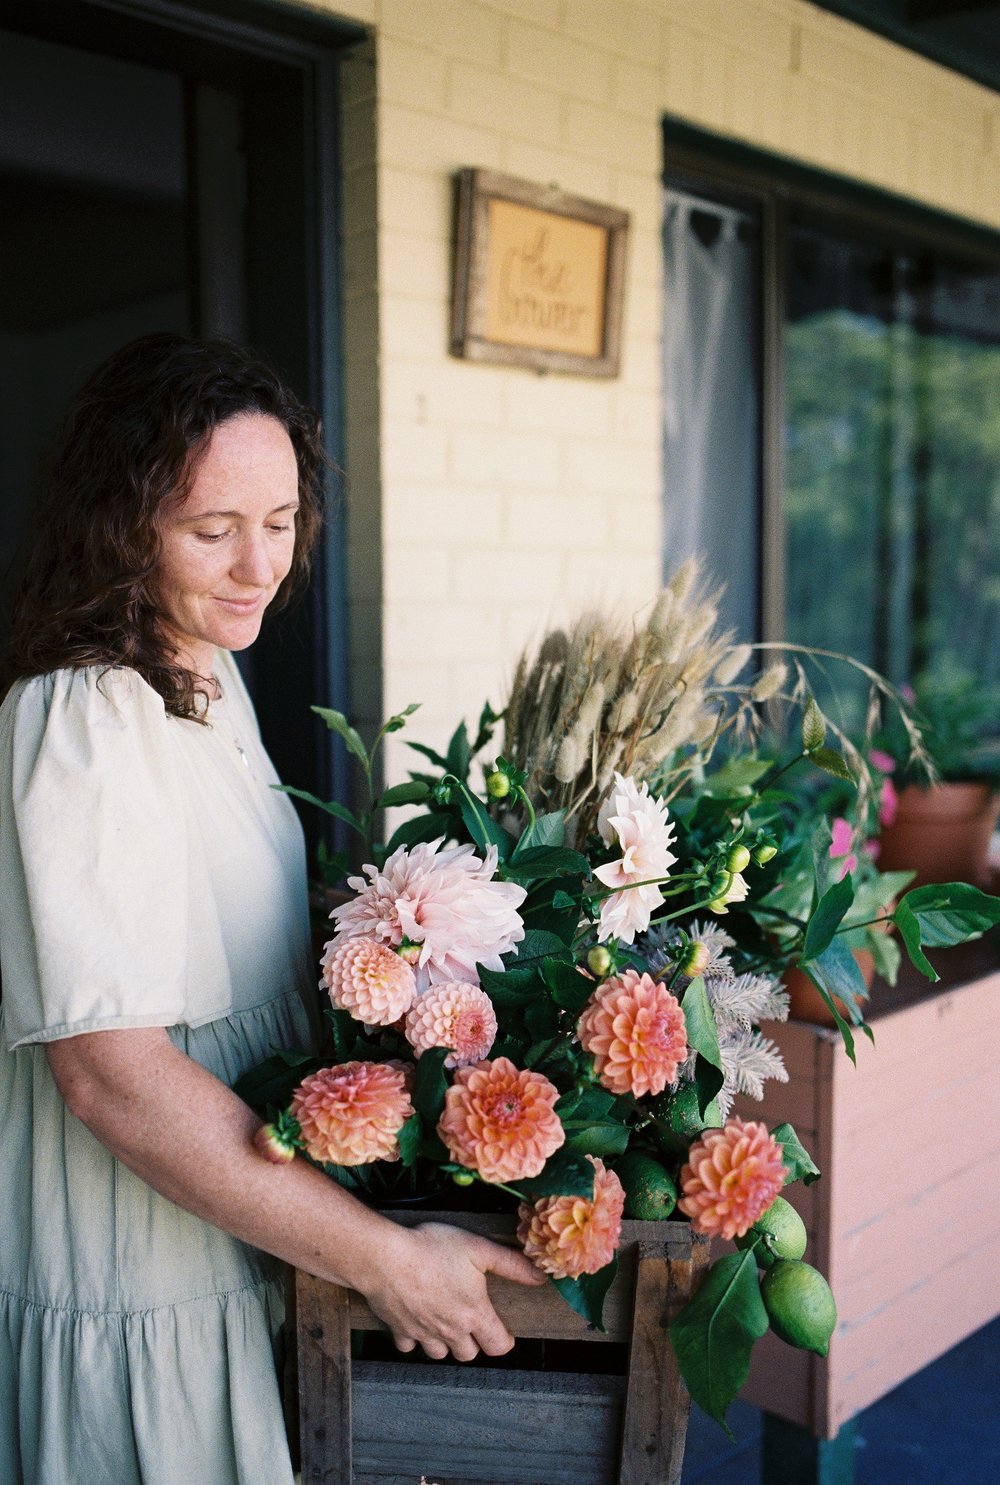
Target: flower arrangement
<point>546,991</point>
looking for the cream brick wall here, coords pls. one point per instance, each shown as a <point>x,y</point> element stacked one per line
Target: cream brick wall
<point>485,503</point>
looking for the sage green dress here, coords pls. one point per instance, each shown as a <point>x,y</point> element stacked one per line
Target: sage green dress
<point>149,876</point>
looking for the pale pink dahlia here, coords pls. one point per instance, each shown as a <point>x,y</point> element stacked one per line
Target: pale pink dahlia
<point>352,1114</point>
<point>634,1029</point>
<point>445,902</point>
<point>456,1015</point>
<point>368,979</point>
<point>567,1236</point>
<point>501,1121</point>
<point>731,1177</point>
<point>631,818</point>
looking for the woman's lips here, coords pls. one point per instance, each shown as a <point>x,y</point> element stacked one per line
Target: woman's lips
<point>241,606</point>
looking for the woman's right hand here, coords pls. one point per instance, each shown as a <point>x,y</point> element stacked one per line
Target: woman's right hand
<point>431,1290</point>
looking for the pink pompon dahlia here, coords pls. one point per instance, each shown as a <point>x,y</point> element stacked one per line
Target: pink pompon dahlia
<point>567,1236</point>
<point>352,1114</point>
<point>731,1177</point>
<point>634,1029</point>
<point>501,1121</point>
<point>444,902</point>
<point>632,819</point>
<point>453,1014</point>
<point>368,979</point>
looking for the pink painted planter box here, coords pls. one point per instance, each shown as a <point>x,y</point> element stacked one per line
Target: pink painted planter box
<point>906,1220</point>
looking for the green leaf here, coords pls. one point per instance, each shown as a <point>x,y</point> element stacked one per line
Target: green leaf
<point>483,829</point>
<point>330,807</point>
<point>715,1332</point>
<point>602,1139</point>
<point>813,727</point>
<point>437,759</point>
<point>421,828</point>
<point>909,931</point>
<point>541,1021</point>
<point>337,722</point>
<point>587,1103</point>
<point>886,953</point>
<point>543,863</point>
<point>835,973</point>
<point>396,723</point>
<point>587,1294</point>
<point>830,761</point>
<point>537,946</point>
<point>565,1174</point>
<point>702,1032</point>
<point>828,917</point>
<point>952,913</point>
<point>415,793</point>
<point>801,1166</point>
<point>547,830</point>
<point>345,1032</point>
<point>570,989</point>
<point>457,761</point>
<point>273,1081</point>
<point>563,903</point>
<point>508,990</point>
<point>430,1084</point>
<point>411,1139</point>
<point>735,778</point>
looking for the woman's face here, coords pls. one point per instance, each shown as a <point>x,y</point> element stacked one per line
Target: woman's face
<point>226,548</point>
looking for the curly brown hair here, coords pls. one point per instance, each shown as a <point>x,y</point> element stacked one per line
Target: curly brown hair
<point>132,440</point>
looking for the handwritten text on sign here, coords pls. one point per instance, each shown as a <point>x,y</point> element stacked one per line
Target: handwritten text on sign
<point>545,280</point>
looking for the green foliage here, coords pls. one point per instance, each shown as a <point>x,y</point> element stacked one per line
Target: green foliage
<point>801,1166</point>
<point>714,1334</point>
<point>587,1294</point>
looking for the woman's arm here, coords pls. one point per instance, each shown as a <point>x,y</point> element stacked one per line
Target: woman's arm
<point>189,1136</point>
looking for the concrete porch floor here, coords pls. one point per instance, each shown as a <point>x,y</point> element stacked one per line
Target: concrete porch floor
<point>942,1427</point>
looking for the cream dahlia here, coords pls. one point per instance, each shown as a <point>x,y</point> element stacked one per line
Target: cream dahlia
<point>352,1114</point>
<point>731,1177</point>
<point>634,1029</point>
<point>631,818</point>
<point>444,902</point>
<point>501,1121</point>
<point>453,1014</point>
<point>368,979</point>
<point>567,1236</point>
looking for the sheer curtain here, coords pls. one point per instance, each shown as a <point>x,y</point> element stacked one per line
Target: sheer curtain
<point>711,398</point>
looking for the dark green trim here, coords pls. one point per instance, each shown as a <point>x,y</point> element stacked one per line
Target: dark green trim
<point>791,1455</point>
<point>691,154</point>
<point>889,19</point>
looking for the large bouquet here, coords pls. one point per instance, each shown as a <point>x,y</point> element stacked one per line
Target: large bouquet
<point>546,992</point>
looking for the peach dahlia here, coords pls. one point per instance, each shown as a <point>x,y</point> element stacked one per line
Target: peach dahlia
<point>567,1236</point>
<point>352,1114</point>
<point>731,1177</point>
<point>500,1120</point>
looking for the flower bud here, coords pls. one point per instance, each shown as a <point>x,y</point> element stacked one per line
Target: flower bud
<point>273,1145</point>
<point>599,961</point>
<point>694,959</point>
<point>718,905</point>
<point>409,953</point>
<point>442,793</point>
<point>738,858</point>
<point>462,1177</point>
<point>721,883</point>
<point>764,853</point>
<point>497,785</point>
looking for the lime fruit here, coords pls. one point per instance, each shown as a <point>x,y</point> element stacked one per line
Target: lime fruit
<point>800,1305</point>
<point>778,1233</point>
<point>650,1192</point>
<point>682,1121</point>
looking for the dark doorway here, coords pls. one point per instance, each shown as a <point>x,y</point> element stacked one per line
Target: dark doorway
<point>171,168</point>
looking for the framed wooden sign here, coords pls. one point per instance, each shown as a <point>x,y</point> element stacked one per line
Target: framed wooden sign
<point>539,276</point>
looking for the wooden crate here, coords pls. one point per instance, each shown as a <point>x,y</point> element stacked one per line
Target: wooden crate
<point>390,1422</point>
<point>906,1219</point>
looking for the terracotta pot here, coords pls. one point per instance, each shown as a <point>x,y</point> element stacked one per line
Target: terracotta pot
<point>943,833</point>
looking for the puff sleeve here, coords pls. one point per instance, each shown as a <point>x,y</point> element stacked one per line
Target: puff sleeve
<point>94,860</point>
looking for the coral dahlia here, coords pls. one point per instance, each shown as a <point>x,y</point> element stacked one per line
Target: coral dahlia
<point>445,902</point>
<point>368,979</point>
<point>567,1236</point>
<point>634,1029</point>
<point>500,1120</point>
<point>352,1114</point>
<point>731,1177</point>
<point>456,1015</point>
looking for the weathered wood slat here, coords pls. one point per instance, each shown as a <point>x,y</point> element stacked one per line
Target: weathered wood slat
<point>483,1424</point>
<point>324,1355</point>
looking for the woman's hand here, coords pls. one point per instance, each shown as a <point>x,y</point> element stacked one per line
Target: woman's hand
<point>432,1290</point>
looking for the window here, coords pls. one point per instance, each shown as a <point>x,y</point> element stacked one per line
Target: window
<point>832,412</point>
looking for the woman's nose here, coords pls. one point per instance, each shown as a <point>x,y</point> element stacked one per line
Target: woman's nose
<point>253,564</point>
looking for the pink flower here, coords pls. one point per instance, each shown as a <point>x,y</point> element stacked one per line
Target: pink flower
<point>446,903</point>
<point>888,803</point>
<point>567,1236</point>
<point>884,762</point>
<point>634,1029</point>
<point>368,979</point>
<point>500,1121</point>
<point>352,1114</point>
<point>731,1177</point>
<point>633,819</point>
<point>841,844</point>
<point>456,1015</point>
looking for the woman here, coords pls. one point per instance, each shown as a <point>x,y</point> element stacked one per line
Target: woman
<point>153,934</point>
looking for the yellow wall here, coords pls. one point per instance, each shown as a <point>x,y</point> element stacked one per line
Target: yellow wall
<point>485,502</point>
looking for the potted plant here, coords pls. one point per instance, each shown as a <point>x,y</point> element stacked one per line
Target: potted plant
<point>945,816</point>
<point>552,983</point>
